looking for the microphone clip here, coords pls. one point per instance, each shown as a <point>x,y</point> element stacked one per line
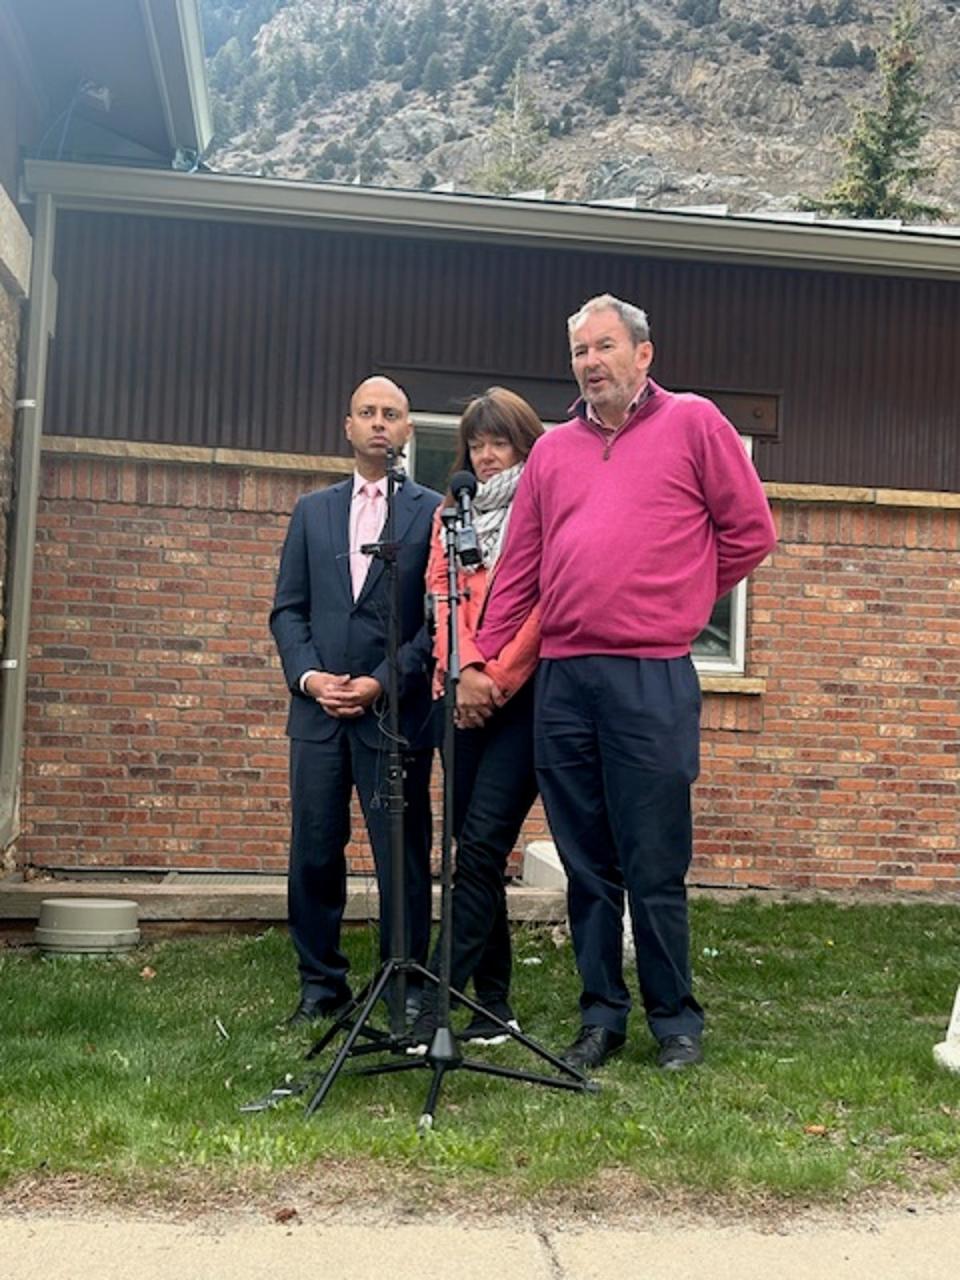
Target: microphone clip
<point>463,486</point>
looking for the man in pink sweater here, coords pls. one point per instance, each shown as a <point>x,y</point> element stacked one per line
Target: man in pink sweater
<point>630,521</point>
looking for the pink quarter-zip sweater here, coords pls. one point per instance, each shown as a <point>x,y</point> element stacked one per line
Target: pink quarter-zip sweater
<point>628,542</point>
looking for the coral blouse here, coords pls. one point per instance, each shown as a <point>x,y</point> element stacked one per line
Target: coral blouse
<point>511,668</point>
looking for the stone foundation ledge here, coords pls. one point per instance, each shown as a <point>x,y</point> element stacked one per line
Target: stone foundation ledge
<point>181,899</point>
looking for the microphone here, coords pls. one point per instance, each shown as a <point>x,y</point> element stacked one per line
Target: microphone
<point>395,461</point>
<point>463,486</point>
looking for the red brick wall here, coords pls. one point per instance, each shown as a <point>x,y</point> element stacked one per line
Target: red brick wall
<point>156,707</point>
<point>844,772</point>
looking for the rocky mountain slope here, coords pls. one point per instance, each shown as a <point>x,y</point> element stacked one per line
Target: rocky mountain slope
<point>676,102</point>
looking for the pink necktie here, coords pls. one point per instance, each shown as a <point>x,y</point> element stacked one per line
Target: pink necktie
<point>369,502</point>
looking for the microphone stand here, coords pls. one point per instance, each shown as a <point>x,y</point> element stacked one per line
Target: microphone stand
<point>443,1054</point>
<point>391,981</point>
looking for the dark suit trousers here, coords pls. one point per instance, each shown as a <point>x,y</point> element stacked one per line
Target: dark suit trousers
<point>494,787</point>
<point>617,748</point>
<point>322,778</point>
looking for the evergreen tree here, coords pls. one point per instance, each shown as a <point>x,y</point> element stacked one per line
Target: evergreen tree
<point>371,162</point>
<point>846,11</point>
<point>472,55</point>
<point>845,55</point>
<point>393,50</point>
<point>478,29</point>
<point>282,95</point>
<point>699,13</point>
<point>436,77</point>
<point>882,151</point>
<point>358,55</point>
<point>437,15</point>
<point>224,117</point>
<point>226,67</point>
<point>252,90</point>
<point>518,142</point>
<point>514,47</point>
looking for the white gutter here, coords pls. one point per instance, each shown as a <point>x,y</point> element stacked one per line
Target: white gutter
<point>24,524</point>
<point>704,237</point>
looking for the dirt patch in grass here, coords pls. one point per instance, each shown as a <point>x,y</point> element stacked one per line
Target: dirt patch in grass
<point>365,1192</point>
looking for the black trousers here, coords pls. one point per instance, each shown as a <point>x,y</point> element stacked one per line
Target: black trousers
<point>617,748</point>
<point>494,786</point>
<point>322,778</point>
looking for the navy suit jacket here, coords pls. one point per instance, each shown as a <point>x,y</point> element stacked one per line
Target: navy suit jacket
<point>317,624</point>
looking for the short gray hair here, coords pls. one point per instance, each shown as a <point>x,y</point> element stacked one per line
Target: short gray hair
<point>635,321</point>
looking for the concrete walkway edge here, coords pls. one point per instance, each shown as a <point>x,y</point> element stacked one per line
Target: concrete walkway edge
<point>894,1245</point>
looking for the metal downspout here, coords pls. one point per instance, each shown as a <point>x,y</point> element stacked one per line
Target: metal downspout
<point>29,424</point>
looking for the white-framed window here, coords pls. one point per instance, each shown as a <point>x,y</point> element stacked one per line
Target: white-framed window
<point>432,449</point>
<point>720,649</point>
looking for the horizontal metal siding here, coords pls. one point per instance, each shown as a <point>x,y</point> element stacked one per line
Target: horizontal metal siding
<point>194,332</point>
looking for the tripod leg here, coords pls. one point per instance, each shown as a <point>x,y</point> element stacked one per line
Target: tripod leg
<point>518,1036</point>
<point>348,1011</point>
<point>425,1123</point>
<point>326,1083</point>
<point>319,1045</point>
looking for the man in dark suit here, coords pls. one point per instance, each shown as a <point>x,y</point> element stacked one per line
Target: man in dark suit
<point>329,621</point>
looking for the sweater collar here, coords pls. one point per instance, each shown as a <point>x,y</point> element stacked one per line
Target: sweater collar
<point>647,400</point>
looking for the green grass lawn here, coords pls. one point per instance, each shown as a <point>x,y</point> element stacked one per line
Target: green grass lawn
<point>819,1081</point>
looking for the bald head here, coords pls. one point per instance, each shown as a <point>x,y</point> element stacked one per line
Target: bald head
<point>379,419</point>
<point>378,386</point>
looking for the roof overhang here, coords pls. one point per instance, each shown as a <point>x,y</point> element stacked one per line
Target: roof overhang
<point>147,53</point>
<point>175,40</point>
<point>434,215</point>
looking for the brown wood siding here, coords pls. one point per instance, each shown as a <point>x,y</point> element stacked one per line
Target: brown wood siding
<point>193,332</point>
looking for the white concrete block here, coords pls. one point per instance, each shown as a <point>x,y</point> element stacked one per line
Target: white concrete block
<point>947,1053</point>
<point>15,249</point>
<point>542,868</point>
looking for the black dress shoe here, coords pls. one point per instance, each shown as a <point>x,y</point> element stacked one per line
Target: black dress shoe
<point>592,1047</point>
<point>309,1010</point>
<point>422,1032</point>
<point>679,1052</point>
<point>411,1008</point>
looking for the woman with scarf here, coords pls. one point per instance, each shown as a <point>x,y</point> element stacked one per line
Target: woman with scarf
<point>494,779</point>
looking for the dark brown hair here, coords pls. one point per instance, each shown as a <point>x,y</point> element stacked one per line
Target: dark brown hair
<point>498,412</point>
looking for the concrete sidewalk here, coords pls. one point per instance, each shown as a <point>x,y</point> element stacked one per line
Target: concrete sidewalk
<point>892,1245</point>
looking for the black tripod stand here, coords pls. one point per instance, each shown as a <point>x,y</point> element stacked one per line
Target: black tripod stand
<point>443,1054</point>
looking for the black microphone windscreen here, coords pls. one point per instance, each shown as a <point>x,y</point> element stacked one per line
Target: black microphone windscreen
<point>463,481</point>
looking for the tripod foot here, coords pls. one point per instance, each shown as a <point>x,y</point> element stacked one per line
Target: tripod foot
<point>444,1048</point>
<point>424,1125</point>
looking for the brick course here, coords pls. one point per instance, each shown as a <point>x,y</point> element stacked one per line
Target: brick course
<point>156,705</point>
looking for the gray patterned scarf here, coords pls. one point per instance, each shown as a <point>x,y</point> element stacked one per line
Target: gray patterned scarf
<point>491,511</point>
